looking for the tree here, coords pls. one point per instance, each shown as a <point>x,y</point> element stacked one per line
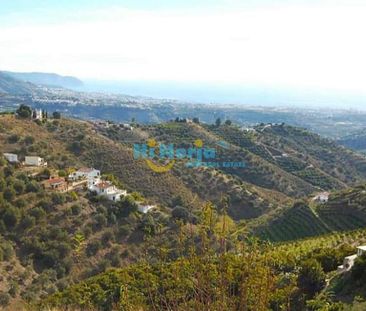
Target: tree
<point>218,122</point>
<point>24,112</point>
<point>11,217</point>
<point>177,201</point>
<point>180,213</point>
<point>12,139</point>
<point>29,140</point>
<point>359,269</point>
<point>228,122</point>
<point>93,247</point>
<point>19,186</point>
<point>46,173</point>
<point>9,193</point>
<point>196,120</point>
<point>56,115</point>
<point>311,277</point>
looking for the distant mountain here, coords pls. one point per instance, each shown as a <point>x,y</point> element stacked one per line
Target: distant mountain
<point>49,79</point>
<point>10,85</point>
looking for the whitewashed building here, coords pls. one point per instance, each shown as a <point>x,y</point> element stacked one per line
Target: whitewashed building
<point>349,261</point>
<point>34,161</point>
<point>11,157</point>
<point>361,250</point>
<point>37,114</point>
<point>144,208</point>
<point>322,197</point>
<point>91,174</point>
<point>108,190</point>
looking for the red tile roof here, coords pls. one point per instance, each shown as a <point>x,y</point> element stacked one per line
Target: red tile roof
<point>86,170</point>
<point>104,185</point>
<point>56,181</point>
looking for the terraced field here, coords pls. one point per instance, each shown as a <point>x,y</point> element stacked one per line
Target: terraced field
<point>345,211</point>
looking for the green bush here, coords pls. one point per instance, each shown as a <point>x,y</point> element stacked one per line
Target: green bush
<point>14,138</point>
<point>11,217</point>
<point>311,278</point>
<point>4,299</point>
<point>9,193</point>
<point>359,269</point>
<point>93,247</point>
<point>24,112</point>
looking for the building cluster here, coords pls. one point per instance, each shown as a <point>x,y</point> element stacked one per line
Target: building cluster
<point>89,178</point>
<point>183,120</point>
<point>109,124</point>
<point>28,161</point>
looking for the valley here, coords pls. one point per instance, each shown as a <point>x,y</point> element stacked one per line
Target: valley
<point>55,239</point>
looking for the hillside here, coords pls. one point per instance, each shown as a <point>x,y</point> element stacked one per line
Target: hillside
<point>49,79</point>
<point>10,85</point>
<point>50,240</point>
<point>345,210</point>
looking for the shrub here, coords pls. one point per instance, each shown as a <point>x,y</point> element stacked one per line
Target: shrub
<point>100,221</point>
<point>14,138</point>
<point>76,209</point>
<point>11,217</point>
<point>311,278</point>
<point>124,231</point>
<point>107,237</point>
<point>27,222</point>
<point>93,247</point>
<point>19,187</point>
<point>29,140</point>
<point>4,299</point>
<point>359,269</point>
<point>24,112</point>
<point>56,115</point>
<point>58,198</point>
<point>9,194</point>
<point>20,203</point>
<point>180,213</point>
<point>32,187</point>
<point>37,212</point>
<point>8,251</point>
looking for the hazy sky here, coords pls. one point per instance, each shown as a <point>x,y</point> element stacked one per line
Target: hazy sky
<point>288,43</point>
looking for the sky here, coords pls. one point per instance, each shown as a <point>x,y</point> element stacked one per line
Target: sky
<point>288,43</point>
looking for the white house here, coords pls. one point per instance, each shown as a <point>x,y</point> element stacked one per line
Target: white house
<point>322,197</point>
<point>349,261</point>
<point>11,157</point>
<point>34,161</point>
<point>143,208</point>
<point>91,174</point>
<point>361,250</point>
<point>127,126</point>
<point>37,114</point>
<point>108,190</point>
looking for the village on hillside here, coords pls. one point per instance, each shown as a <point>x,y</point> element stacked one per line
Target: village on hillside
<point>82,178</point>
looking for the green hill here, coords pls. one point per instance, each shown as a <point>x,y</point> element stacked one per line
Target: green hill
<point>50,240</point>
<point>345,210</point>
